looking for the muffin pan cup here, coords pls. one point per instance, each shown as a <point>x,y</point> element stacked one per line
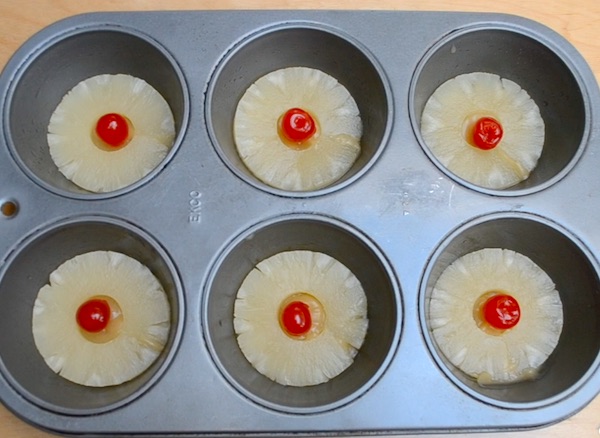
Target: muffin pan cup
<point>398,218</point>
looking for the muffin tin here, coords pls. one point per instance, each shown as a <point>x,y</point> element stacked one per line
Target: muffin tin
<point>201,221</point>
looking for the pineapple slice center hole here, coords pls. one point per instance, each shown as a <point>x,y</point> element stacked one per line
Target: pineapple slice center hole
<point>482,132</point>
<point>102,326</point>
<point>301,316</point>
<point>112,132</point>
<point>297,128</point>
<point>496,311</point>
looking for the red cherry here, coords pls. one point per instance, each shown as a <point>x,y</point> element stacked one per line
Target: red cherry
<point>113,129</point>
<point>501,311</point>
<point>296,319</point>
<point>297,125</point>
<point>487,133</point>
<point>94,315</point>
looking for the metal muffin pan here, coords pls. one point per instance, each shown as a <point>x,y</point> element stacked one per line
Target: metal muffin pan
<point>201,221</point>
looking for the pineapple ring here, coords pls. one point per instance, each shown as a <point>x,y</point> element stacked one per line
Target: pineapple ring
<point>74,145</point>
<point>142,332</point>
<point>314,359</point>
<point>494,357</point>
<point>332,150</point>
<point>450,113</point>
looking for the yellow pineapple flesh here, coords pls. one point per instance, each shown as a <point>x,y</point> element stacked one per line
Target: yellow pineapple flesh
<point>492,356</point>
<point>334,148</point>
<point>303,361</point>
<point>449,112</point>
<point>122,351</point>
<point>73,143</point>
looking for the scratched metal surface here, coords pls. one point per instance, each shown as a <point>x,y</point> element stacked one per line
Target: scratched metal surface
<point>399,209</point>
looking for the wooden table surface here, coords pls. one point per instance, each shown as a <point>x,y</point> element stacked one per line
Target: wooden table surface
<point>576,20</point>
